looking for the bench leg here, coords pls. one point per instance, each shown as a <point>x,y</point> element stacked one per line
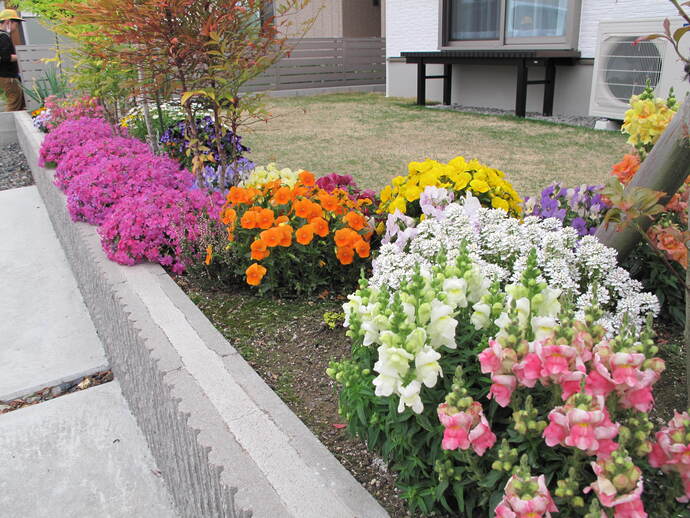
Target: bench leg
<point>447,83</point>
<point>521,95</point>
<point>421,84</point>
<point>549,88</point>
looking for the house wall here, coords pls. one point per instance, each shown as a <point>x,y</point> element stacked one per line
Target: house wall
<point>361,19</point>
<point>328,23</point>
<point>595,11</point>
<point>494,86</point>
<point>411,25</point>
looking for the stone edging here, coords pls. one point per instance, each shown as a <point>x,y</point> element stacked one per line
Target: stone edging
<point>226,445</point>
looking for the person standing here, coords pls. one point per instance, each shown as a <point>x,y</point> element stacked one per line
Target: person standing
<point>9,68</point>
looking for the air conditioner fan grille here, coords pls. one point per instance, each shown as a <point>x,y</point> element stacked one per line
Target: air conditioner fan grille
<point>628,67</point>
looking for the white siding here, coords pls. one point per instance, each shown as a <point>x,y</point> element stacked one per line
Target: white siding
<point>595,11</point>
<point>411,25</point>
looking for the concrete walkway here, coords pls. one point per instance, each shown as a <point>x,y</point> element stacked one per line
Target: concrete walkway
<point>46,335</point>
<point>77,455</point>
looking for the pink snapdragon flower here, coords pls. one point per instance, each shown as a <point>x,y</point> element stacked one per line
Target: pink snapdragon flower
<point>502,388</point>
<point>619,485</point>
<point>629,374</point>
<point>671,451</point>
<point>526,499</point>
<point>465,428</point>
<point>583,423</point>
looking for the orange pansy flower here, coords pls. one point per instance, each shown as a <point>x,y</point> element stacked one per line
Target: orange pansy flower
<point>231,233</point>
<point>285,235</point>
<point>328,202</point>
<point>248,219</point>
<point>271,237</point>
<point>282,219</point>
<point>346,237</point>
<point>320,226</point>
<point>238,195</point>
<point>302,208</point>
<point>355,220</point>
<point>209,254</point>
<point>315,211</point>
<point>345,254</point>
<point>307,178</point>
<point>255,273</point>
<point>229,216</point>
<point>282,196</point>
<point>305,234</point>
<point>264,218</point>
<point>259,250</point>
<point>363,249</point>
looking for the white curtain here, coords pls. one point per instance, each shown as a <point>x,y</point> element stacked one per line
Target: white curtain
<point>474,19</point>
<point>536,18</point>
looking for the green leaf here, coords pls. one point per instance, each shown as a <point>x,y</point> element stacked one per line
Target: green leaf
<point>491,479</point>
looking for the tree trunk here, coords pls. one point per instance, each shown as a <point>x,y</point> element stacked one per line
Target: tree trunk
<point>664,169</point>
<point>153,141</point>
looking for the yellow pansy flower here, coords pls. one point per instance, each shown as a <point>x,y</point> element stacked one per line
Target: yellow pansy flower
<point>479,186</point>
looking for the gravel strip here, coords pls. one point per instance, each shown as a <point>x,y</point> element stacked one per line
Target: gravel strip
<point>14,171</point>
<point>570,120</point>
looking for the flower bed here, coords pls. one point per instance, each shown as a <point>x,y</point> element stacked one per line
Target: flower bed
<point>459,290</point>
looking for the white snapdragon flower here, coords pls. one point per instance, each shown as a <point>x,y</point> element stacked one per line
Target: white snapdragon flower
<point>456,292</point>
<point>427,368</point>
<point>481,318</point>
<point>442,325</point>
<point>416,340</point>
<point>409,396</point>
<point>543,327</point>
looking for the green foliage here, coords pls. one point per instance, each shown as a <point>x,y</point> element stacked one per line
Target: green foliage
<point>333,319</point>
<point>53,82</point>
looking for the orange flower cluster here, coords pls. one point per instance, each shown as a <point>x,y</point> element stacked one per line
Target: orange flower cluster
<point>272,216</point>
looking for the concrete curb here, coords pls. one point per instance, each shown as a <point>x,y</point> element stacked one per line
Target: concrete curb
<point>225,443</point>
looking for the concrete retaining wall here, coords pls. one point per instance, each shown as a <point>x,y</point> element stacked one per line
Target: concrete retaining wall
<point>226,445</point>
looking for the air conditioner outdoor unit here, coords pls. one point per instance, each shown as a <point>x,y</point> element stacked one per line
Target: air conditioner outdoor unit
<point>621,69</point>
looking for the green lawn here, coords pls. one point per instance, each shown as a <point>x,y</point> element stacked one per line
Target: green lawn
<point>373,138</point>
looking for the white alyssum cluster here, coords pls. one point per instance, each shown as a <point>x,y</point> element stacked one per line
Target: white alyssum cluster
<point>583,269</point>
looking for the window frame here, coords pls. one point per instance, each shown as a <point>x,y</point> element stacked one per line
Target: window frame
<point>568,41</point>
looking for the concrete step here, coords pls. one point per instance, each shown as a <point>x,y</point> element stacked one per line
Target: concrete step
<point>46,334</point>
<point>76,456</point>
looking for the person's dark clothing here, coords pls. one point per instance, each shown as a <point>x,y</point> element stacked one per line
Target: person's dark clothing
<point>7,67</point>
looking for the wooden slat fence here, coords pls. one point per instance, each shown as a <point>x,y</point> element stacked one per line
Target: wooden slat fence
<point>326,62</point>
<point>313,63</point>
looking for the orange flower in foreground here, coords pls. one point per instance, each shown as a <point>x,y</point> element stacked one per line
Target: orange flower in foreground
<point>238,195</point>
<point>346,237</point>
<point>259,250</point>
<point>254,274</point>
<point>302,208</point>
<point>282,196</point>
<point>282,219</point>
<point>328,202</point>
<point>271,237</point>
<point>355,220</point>
<point>285,235</point>
<point>345,255</point>
<point>320,226</point>
<point>363,249</point>
<point>229,216</point>
<point>264,218</point>
<point>248,219</point>
<point>209,254</point>
<point>315,211</point>
<point>307,178</point>
<point>626,168</point>
<point>305,234</point>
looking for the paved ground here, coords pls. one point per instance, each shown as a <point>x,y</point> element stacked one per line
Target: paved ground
<point>81,454</point>
<point>46,335</point>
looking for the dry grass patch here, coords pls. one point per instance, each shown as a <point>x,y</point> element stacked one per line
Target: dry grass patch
<point>373,138</point>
